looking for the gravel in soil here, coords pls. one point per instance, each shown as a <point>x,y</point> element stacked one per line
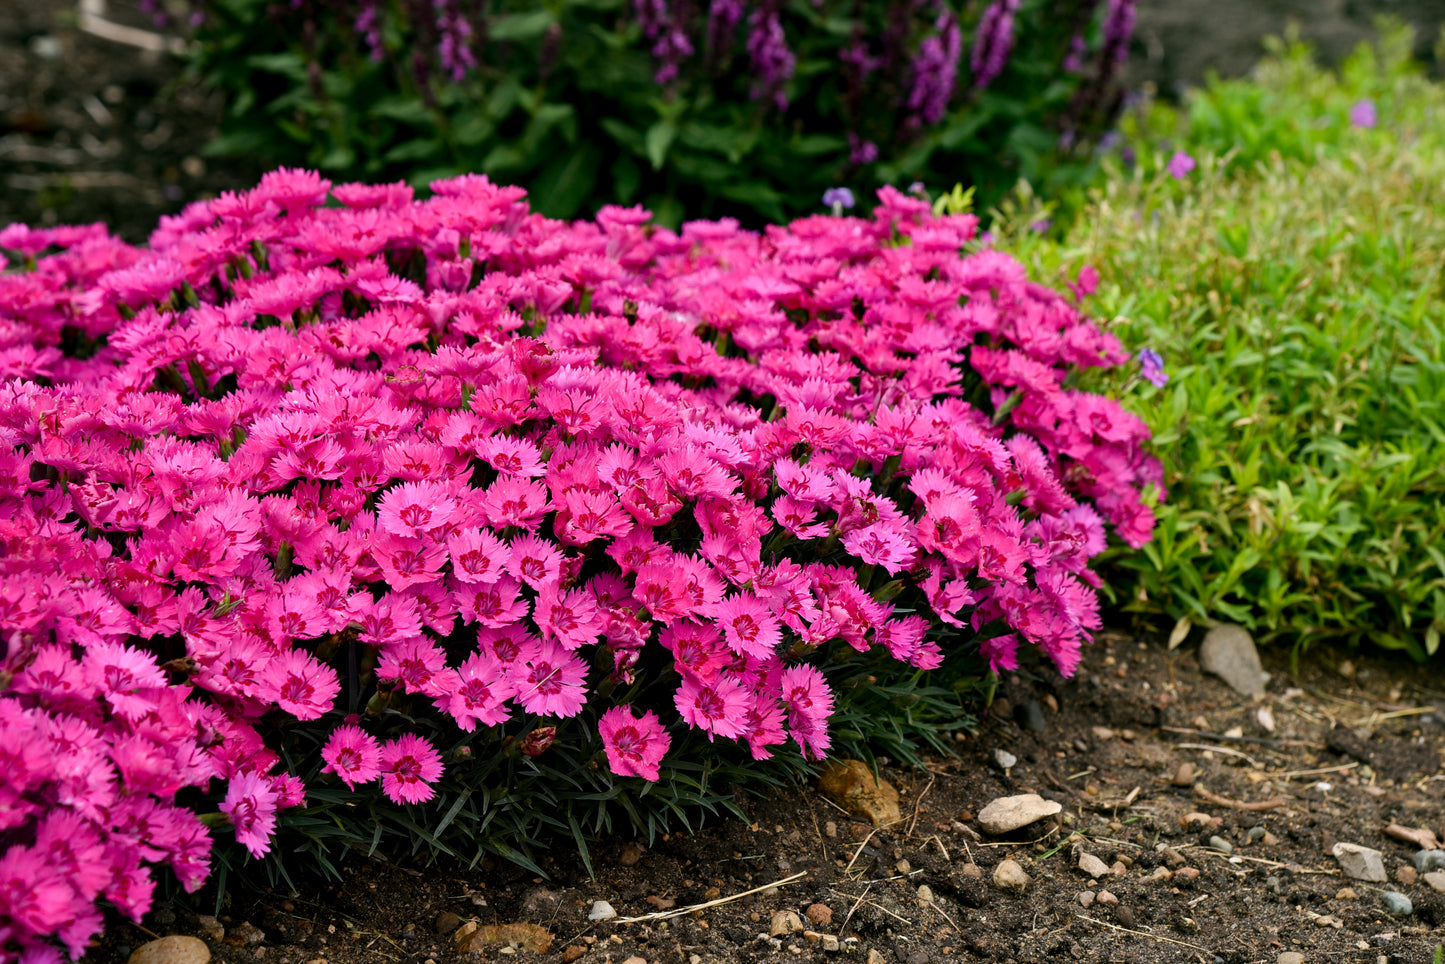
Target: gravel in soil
<point>1196,825</point>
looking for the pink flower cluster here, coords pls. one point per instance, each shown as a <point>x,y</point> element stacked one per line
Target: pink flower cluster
<point>504,457</point>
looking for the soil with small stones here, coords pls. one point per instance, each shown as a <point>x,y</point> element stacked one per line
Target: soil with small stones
<point>1355,748</point>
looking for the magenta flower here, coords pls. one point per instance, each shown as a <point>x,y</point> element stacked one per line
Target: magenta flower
<point>251,804</point>
<point>353,755</point>
<point>125,677</point>
<point>635,746</point>
<point>409,767</point>
<point>1180,165</point>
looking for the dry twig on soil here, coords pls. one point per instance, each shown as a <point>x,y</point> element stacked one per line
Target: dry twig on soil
<point>680,911</point>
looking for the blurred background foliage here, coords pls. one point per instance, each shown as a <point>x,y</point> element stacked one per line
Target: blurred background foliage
<point>750,110</point>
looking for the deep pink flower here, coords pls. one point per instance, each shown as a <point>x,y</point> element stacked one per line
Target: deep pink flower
<point>353,755</point>
<point>415,508</point>
<point>748,626</point>
<point>478,555</point>
<point>635,746</point>
<point>409,767</point>
<point>481,693</point>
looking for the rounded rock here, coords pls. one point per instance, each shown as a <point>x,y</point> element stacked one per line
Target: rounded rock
<point>1397,903</point>
<point>175,949</point>
<point>820,914</point>
<point>601,910</point>
<point>1290,957</point>
<point>1009,876</point>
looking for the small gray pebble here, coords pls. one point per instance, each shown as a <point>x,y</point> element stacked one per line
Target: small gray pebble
<point>1256,834</point>
<point>1397,903</point>
<point>1273,884</point>
<point>1219,843</point>
<point>1428,860</point>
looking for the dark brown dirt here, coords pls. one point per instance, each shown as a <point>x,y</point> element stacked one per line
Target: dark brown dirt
<point>1355,748</point>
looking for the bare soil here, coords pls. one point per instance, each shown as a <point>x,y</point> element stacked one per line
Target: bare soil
<point>1356,746</point>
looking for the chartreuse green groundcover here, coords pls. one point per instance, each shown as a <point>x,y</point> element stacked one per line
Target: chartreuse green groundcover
<point>340,504</point>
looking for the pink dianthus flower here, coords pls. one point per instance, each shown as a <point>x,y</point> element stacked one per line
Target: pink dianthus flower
<point>251,804</point>
<point>409,767</point>
<point>353,755</point>
<point>635,747</point>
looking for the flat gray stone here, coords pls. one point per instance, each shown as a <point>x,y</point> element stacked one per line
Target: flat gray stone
<point>601,910</point>
<point>1361,863</point>
<point>1010,813</point>
<point>1228,652</point>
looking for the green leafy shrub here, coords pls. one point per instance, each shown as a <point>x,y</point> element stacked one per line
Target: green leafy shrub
<point>1292,109</point>
<point>587,102</point>
<point>1293,283</point>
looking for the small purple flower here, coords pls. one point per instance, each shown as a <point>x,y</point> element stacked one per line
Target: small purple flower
<point>992,42</point>
<point>1151,365</point>
<point>838,198</point>
<point>935,70</point>
<point>1180,165</point>
<point>861,152</point>
<point>1363,114</point>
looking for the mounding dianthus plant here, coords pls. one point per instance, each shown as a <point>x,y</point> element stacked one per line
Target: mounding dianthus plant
<point>1292,286</point>
<point>441,522</point>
